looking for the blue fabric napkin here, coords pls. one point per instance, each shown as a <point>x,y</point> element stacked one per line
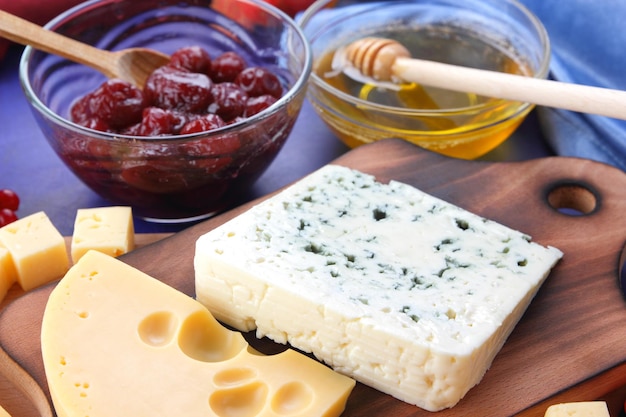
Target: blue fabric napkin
<point>588,47</point>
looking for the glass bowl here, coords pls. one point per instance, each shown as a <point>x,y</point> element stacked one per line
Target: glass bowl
<point>498,35</point>
<point>170,178</point>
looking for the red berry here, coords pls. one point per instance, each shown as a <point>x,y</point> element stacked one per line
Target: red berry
<point>191,58</point>
<point>226,67</point>
<point>203,124</point>
<point>175,89</point>
<point>7,216</point>
<point>257,81</point>
<point>156,178</point>
<point>229,100</point>
<point>115,104</point>
<point>192,85</point>
<point>9,200</point>
<point>225,145</point>
<point>255,105</point>
<point>132,130</point>
<point>159,122</point>
<point>96,123</point>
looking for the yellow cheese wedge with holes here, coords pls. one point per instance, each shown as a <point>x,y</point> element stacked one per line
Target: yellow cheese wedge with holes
<point>117,342</point>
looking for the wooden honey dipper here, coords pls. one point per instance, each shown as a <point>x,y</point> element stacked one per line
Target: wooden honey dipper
<point>379,60</point>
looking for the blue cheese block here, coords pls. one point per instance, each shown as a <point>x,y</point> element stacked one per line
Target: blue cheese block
<point>400,290</point>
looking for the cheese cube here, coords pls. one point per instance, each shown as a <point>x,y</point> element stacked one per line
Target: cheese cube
<point>400,290</point>
<point>578,409</point>
<point>4,413</point>
<point>8,276</point>
<point>37,248</point>
<point>116,342</point>
<point>108,230</point>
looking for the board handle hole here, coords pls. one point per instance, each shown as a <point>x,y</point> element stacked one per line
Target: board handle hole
<point>572,199</point>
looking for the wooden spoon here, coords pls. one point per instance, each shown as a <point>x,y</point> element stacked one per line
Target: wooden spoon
<point>133,65</point>
<point>383,60</point>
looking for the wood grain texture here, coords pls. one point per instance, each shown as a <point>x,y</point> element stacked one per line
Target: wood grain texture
<point>569,346</point>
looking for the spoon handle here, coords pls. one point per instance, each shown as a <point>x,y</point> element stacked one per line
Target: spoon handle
<point>24,32</point>
<point>575,97</point>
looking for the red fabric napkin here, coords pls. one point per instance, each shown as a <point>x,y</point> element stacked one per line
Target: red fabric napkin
<point>36,11</point>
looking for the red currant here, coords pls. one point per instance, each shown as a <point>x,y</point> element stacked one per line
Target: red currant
<point>7,216</point>
<point>9,200</point>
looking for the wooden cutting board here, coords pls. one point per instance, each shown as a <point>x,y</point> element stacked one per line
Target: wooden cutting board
<point>569,346</point>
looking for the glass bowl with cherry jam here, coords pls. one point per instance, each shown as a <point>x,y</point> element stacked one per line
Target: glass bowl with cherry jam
<point>203,128</point>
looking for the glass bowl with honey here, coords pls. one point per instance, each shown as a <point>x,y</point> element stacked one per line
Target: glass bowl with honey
<point>496,35</point>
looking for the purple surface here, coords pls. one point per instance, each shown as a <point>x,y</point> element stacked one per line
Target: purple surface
<point>30,168</point>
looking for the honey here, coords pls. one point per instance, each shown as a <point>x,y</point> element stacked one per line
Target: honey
<point>463,125</point>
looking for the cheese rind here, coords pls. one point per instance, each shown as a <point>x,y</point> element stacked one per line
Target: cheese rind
<point>116,342</point>
<point>578,409</point>
<point>37,248</point>
<point>108,230</point>
<point>400,290</point>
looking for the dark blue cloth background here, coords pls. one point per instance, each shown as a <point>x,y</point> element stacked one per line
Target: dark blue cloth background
<point>588,47</point>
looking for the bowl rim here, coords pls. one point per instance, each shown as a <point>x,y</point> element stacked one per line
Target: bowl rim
<point>299,85</point>
<point>542,71</point>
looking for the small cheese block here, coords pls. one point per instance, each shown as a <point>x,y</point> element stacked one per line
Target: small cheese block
<point>8,276</point>
<point>4,413</point>
<point>402,291</point>
<point>117,342</point>
<point>108,230</point>
<point>578,409</point>
<point>37,248</point>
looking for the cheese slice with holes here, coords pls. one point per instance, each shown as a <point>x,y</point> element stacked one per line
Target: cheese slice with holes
<point>116,342</point>
<point>402,291</point>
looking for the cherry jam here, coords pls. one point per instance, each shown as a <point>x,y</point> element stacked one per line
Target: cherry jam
<point>166,176</point>
<point>189,87</point>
